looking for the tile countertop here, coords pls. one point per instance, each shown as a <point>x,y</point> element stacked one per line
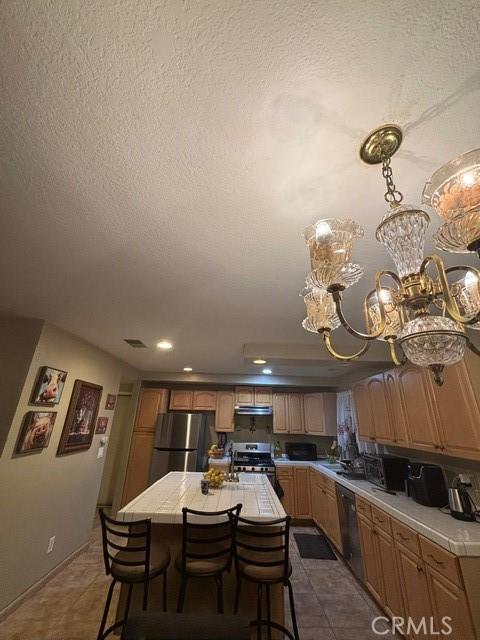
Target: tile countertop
<point>461,538</point>
<point>163,501</point>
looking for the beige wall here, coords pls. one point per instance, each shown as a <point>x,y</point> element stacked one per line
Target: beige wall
<point>42,495</point>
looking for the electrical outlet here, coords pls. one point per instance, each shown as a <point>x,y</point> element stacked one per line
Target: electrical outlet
<point>51,544</point>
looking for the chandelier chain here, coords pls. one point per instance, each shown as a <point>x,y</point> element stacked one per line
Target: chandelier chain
<point>392,195</point>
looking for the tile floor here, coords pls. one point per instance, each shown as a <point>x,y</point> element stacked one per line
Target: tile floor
<point>330,604</point>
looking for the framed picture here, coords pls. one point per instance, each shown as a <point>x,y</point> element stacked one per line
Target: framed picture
<point>102,424</point>
<point>49,386</point>
<point>111,400</point>
<point>35,432</point>
<point>81,418</point>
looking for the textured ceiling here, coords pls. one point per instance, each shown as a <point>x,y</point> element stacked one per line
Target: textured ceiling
<point>161,159</point>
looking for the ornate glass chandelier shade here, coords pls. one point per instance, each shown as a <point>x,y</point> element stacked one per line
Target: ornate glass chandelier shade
<point>405,315</point>
<point>402,232</point>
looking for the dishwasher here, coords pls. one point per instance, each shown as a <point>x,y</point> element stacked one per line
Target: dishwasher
<point>352,551</point>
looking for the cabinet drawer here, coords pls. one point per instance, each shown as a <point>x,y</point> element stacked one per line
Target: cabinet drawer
<point>441,560</point>
<point>406,536</point>
<point>381,520</point>
<point>284,472</point>
<point>363,507</point>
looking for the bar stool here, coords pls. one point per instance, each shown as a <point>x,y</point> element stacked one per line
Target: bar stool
<point>207,548</point>
<point>130,563</point>
<point>261,553</point>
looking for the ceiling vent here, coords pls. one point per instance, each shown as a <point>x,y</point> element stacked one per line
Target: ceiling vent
<point>136,344</point>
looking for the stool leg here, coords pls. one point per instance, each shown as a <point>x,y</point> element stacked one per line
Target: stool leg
<point>269,613</point>
<point>292,610</point>
<point>219,594</point>
<point>105,611</point>
<point>181,594</point>
<point>237,595</point>
<point>129,598</point>
<point>165,590</point>
<point>146,584</point>
<point>259,610</point>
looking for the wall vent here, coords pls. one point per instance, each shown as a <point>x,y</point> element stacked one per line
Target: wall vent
<point>136,344</point>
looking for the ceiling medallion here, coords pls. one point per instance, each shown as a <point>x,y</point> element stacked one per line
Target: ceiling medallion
<point>420,313</point>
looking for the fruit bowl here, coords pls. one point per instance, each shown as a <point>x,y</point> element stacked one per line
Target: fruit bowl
<point>216,453</point>
<point>215,478</point>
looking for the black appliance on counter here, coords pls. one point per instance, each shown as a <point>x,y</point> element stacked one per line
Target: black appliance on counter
<point>387,472</point>
<point>301,450</point>
<point>426,485</point>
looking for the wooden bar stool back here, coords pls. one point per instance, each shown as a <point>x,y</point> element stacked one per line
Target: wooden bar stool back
<point>262,557</point>
<point>207,548</point>
<point>130,559</point>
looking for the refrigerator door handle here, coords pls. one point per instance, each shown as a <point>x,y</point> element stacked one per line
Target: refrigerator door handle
<point>175,448</point>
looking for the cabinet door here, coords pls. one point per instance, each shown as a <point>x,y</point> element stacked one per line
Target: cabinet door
<point>315,499</point>
<point>449,600</point>
<point>245,396</point>
<point>263,396</point>
<point>417,397</point>
<point>205,400</point>
<point>363,411</point>
<point>295,413</point>
<point>377,396</point>
<point>280,417</point>
<point>138,466</point>
<point>313,411</point>
<point>224,411</point>
<point>397,414</point>
<point>288,500</point>
<point>414,587</point>
<point>392,597</point>
<point>181,400</point>
<point>371,565</point>
<point>458,413</point>
<point>150,403</point>
<point>333,520</point>
<point>302,492</point>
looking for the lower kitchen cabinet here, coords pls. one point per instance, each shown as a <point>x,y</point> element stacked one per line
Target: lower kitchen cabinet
<point>333,523</point>
<point>287,482</point>
<point>392,596</point>
<point>371,565</point>
<point>414,585</point>
<point>302,492</point>
<point>449,600</point>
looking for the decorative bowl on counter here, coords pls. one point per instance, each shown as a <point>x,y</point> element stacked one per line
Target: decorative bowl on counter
<point>216,453</point>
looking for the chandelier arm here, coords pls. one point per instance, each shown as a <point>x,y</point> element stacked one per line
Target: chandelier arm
<point>450,303</point>
<point>331,350</point>
<point>337,298</point>
<point>393,353</point>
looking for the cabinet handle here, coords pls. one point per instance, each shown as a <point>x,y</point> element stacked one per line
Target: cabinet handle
<point>380,520</point>
<point>402,537</point>
<point>434,559</point>
<point>419,568</point>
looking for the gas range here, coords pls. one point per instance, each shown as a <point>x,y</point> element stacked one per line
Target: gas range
<point>253,457</point>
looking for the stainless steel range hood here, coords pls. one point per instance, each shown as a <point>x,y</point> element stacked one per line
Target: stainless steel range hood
<point>245,410</point>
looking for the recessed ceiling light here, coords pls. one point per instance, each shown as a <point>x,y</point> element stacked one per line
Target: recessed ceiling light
<point>267,372</point>
<point>187,369</point>
<point>259,361</point>
<point>165,345</point>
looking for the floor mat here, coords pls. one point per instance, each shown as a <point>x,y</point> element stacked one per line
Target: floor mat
<point>314,546</point>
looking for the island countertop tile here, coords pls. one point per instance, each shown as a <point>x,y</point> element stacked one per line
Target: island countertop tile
<point>163,501</point>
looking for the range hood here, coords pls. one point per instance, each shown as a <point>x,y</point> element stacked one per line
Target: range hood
<point>247,410</point>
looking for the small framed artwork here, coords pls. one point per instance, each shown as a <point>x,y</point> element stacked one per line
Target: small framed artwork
<point>81,418</point>
<point>49,386</point>
<point>102,424</point>
<point>111,400</point>
<point>35,432</point>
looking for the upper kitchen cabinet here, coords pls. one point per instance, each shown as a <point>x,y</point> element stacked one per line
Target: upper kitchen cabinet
<point>181,400</point>
<point>263,396</point>
<point>458,413</point>
<point>320,414</point>
<point>365,427</point>
<point>417,398</point>
<point>225,408</point>
<point>295,413</point>
<point>280,416</point>
<point>204,400</point>
<point>253,396</point>
<point>398,421</point>
<point>381,419</point>
<point>151,403</point>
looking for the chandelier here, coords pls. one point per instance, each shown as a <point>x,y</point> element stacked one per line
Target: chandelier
<point>422,310</point>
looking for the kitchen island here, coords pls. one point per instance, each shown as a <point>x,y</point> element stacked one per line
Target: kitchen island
<point>163,503</point>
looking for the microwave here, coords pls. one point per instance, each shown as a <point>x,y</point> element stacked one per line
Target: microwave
<point>301,450</point>
<point>388,472</point>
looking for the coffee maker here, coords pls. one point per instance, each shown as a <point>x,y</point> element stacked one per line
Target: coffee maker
<point>462,506</point>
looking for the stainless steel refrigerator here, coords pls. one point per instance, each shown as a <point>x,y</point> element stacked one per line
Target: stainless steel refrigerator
<point>180,444</point>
